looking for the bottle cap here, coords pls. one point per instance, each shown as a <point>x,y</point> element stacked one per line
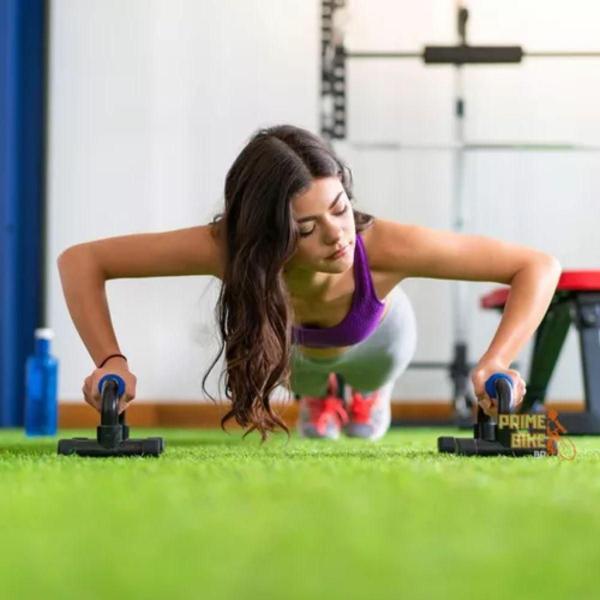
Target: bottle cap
<point>44,333</point>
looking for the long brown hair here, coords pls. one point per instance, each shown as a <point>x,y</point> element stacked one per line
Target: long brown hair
<point>254,311</point>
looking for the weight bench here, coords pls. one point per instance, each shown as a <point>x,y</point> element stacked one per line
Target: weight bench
<point>576,301</point>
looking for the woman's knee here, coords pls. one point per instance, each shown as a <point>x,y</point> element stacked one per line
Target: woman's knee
<point>307,381</point>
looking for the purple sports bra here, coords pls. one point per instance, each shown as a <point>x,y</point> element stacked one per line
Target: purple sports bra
<point>364,316</point>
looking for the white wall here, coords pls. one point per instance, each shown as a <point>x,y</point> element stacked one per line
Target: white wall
<point>548,200</point>
<point>152,100</point>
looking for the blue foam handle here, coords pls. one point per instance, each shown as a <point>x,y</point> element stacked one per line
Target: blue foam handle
<point>490,388</point>
<point>113,377</point>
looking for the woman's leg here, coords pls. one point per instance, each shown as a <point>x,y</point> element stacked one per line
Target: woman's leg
<point>384,356</point>
<point>308,378</point>
<point>370,368</point>
<point>321,411</point>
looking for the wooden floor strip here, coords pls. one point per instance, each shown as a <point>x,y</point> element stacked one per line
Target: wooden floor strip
<point>188,414</point>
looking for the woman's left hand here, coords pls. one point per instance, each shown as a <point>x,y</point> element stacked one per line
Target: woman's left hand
<point>482,372</point>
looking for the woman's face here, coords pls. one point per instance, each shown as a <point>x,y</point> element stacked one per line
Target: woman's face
<point>326,223</point>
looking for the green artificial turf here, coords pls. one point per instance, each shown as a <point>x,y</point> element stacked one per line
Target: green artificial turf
<point>220,517</point>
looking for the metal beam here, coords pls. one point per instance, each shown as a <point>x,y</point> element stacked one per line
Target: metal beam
<point>477,146</point>
<point>464,55</point>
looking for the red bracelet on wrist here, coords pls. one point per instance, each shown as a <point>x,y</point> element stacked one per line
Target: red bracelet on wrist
<point>108,358</point>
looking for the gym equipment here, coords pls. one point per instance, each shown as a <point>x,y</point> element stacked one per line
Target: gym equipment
<point>112,437</point>
<point>334,56</point>
<point>576,301</point>
<point>496,438</point>
<point>333,116</point>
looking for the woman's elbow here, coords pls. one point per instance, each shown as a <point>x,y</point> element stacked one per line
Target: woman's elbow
<point>553,266</point>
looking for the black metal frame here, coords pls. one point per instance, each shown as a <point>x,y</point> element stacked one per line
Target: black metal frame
<point>581,309</point>
<point>334,56</point>
<point>333,75</point>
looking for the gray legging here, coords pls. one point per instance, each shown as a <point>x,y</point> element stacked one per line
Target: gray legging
<point>373,364</point>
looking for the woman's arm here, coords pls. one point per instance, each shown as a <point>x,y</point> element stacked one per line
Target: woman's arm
<point>86,267</point>
<point>414,251</point>
<point>83,281</point>
<point>531,291</point>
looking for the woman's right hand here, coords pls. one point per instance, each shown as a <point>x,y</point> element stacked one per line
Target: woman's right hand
<point>118,366</point>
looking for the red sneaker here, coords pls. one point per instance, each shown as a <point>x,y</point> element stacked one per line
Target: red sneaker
<point>369,416</point>
<point>322,417</point>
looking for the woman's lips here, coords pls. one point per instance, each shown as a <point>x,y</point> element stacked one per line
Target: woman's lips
<point>340,253</point>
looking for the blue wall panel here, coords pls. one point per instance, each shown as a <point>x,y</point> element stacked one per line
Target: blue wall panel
<point>23,41</point>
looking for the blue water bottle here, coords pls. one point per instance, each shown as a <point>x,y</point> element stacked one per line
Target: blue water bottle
<point>41,371</point>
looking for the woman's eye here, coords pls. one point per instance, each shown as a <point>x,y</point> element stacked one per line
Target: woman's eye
<point>337,214</point>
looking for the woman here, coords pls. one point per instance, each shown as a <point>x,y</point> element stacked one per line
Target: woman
<point>309,289</point>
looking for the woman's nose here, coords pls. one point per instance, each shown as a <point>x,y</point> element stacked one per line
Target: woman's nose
<point>333,232</point>
<point>333,240</point>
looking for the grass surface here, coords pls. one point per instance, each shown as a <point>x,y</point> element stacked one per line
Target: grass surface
<point>218,517</point>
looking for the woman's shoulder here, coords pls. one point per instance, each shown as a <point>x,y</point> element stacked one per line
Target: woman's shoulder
<point>378,239</point>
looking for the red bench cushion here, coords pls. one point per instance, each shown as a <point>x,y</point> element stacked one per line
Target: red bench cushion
<point>573,281</point>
